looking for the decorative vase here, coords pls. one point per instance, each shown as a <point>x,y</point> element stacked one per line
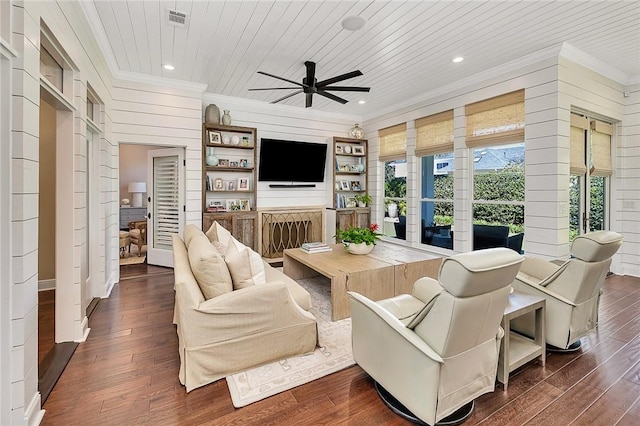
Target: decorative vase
<point>359,248</point>
<point>360,166</point>
<point>211,159</point>
<point>212,114</point>
<point>356,132</point>
<point>226,118</point>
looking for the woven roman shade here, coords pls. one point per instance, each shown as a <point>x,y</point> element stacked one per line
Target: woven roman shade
<point>578,164</point>
<point>601,148</point>
<point>393,142</point>
<point>496,121</point>
<point>434,134</point>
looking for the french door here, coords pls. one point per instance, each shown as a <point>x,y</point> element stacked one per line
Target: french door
<point>166,203</point>
<point>591,167</point>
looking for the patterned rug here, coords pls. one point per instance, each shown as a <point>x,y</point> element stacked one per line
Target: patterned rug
<point>333,354</point>
<point>133,258</point>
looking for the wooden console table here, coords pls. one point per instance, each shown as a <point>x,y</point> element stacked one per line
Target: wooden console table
<point>387,271</point>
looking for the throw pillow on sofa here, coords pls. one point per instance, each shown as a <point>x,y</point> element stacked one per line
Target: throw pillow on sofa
<point>219,237</point>
<point>190,231</point>
<point>245,265</point>
<point>209,268</point>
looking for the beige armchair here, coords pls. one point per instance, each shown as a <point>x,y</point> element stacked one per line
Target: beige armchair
<point>433,352</point>
<point>572,289</point>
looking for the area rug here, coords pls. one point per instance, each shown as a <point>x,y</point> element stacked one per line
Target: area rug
<point>133,258</point>
<point>333,354</point>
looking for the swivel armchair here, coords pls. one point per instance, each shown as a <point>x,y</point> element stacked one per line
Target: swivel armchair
<point>571,289</point>
<point>431,353</point>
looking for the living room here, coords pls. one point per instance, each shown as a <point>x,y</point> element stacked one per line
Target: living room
<point>135,109</point>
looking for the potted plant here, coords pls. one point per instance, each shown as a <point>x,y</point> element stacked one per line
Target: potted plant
<point>359,240</point>
<point>363,199</point>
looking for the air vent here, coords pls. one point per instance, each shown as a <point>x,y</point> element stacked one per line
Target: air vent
<point>176,18</point>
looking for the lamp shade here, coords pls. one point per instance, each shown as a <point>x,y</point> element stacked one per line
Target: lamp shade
<point>137,187</point>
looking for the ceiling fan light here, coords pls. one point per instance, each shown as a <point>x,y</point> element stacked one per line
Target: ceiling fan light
<point>353,23</point>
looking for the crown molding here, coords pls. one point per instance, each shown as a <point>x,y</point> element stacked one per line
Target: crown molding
<point>91,14</point>
<point>576,55</point>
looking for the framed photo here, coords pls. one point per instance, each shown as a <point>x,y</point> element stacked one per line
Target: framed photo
<point>224,162</point>
<point>358,150</point>
<point>218,184</point>
<point>355,185</point>
<point>244,162</point>
<point>233,205</point>
<point>351,202</point>
<point>244,205</point>
<point>339,149</point>
<point>233,164</point>
<point>215,137</point>
<point>344,185</point>
<point>231,185</point>
<point>243,184</point>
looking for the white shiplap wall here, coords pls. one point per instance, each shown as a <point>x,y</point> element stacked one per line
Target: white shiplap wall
<point>66,22</point>
<point>628,182</point>
<point>282,122</point>
<point>153,114</point>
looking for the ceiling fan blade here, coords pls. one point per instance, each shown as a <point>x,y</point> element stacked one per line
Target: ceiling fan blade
<point>287,97</point>
<point>332,97</point>
<point>309,100</point>
<point>283,79</point>
<point>347,88</point>
<point>275,88</point>
<point>338,78</point>
<point>311,72</point>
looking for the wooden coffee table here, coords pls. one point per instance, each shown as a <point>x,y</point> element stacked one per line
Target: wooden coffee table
<point>387,271</point>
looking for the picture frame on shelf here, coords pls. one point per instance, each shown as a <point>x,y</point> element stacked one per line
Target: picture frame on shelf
<point>218,184</point>
<point>351,202</point>
<point>244,162</point>
<point>358,150</point>
<point>231,185</point>
<point>339,149</point>
<point>215,137</point>
<point>234,164</point>
<point>244,205</point>
<point>243,184</point>
<point>233,205</point>
<point>344,185</point>
<point>223,162</point>
<point>355,185</point>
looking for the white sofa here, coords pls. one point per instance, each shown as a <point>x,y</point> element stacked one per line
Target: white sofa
<point>226,325</point>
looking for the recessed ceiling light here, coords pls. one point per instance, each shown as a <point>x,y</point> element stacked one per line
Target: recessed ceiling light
<point>353,23</point>
<point>361,102</point>
<point>457,59</point>
<point>168,67</point>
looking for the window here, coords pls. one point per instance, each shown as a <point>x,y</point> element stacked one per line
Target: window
<point>495,132</point>
<point>50,68</point>
<point>590,144</point>
<point>393,151</point>
<point>434,146</point>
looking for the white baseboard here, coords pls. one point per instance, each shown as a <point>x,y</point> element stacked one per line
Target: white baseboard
<point>46,284</point>
<point>85,330</point>
<point>33,414</point>
<point>108,286</point>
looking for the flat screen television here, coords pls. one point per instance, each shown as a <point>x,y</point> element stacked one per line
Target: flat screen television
<point>291,161</point>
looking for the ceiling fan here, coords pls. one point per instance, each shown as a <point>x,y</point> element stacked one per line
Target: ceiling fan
<point>311,85</point>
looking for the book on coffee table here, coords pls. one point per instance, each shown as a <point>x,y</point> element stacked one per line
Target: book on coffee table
<point>315,247</point>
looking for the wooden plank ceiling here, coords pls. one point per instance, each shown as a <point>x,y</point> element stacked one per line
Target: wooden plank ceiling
<point>404,50</point>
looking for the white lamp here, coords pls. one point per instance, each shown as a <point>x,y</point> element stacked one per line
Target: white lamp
<point>136,189</point>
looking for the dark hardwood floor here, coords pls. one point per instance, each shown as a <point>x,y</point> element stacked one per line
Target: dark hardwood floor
<point>127,373</point>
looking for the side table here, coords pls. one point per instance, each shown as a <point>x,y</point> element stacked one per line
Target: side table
<point>516,349</point>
